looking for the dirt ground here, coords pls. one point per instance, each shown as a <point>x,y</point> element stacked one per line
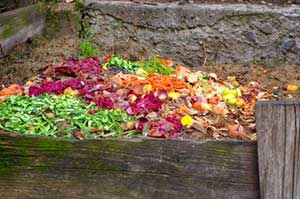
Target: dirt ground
<point>273,78</point>
<point>25,60</point>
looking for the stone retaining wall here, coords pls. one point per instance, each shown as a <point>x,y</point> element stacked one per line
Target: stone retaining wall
<point>196,33</point>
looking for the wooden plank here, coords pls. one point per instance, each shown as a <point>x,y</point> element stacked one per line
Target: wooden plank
<point>278,148</point>
<point>6,5</point>
<point>297,156</point>
<point>184,2</point>
<point>37,167</point>
<point>17,26</point>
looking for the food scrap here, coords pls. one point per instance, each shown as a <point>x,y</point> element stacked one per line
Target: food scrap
<point>114,97</point>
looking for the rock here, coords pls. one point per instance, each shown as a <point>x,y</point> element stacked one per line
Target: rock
<point>289,44</point>
<point>266,28</point>
<point>298,44</point>
<point>251,36</point>
<point>229,34</point>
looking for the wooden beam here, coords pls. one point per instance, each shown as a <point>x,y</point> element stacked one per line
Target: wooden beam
<point>38,167</point>
<point>17,26</point>
<point>278,149</point>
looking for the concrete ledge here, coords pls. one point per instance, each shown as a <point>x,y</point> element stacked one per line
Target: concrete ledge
<point>193,33</point>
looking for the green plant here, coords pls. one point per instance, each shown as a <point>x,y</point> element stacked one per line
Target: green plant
<point>79,4</point>
<point>87,48</point>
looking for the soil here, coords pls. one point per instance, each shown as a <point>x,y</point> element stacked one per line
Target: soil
<point>58,41</point>
<point>25,60</point>
<point>274,78</point>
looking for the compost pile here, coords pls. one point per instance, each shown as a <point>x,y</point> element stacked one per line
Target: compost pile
<point>114,97</point>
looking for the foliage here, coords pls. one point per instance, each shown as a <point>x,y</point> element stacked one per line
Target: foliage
<point>87,49</point>
<point>119,62</point>
<point>156,66</point>
<point>51,115</point>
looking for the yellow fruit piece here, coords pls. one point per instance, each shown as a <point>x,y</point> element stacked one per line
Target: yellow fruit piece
<point>226,91</point>
<point>235,83</point>
<point>292,88</point>
<point>240,102</point>
<point>231,78</point>
<point>141,72</point>
<point>187,121</point>
<point>236,92</point>
<point>147,88</point>
<point>173,95</point>
<point>230,99</point>
<point>29,83</point>
<point>69,91</point>
<point>105,67</point>
<point>229,91</point>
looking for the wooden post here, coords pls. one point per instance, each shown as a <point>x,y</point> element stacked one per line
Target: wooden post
<point>278,149</point>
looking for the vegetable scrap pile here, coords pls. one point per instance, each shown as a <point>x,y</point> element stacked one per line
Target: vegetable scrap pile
<point>114,97</point>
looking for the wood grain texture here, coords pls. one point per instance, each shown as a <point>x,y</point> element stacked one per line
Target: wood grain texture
<point>17,26</point>
<point>37,167</point>
<point>278,142</point>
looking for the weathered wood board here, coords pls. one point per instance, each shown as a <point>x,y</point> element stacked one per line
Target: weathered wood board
<point>17,26</point>
<point>38,167</point>
<point>278,137</point>
<point>217,1</point>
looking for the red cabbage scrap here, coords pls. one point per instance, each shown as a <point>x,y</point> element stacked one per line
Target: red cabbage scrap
<point>141,123</point>
<point>88,66</point>
<point>170,127</point>
<point>104,103</point>
<point>75,83</point>
<point>52,87</point>
<point>145,105</point>
<point>34,91</point>
<point>55,87</point>
<point>176,122</point>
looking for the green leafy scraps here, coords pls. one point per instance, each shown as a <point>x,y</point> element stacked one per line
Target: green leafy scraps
<point>121,63</point>
<point>155,66</point>
<point>152,66</point>
<point>59,116</point>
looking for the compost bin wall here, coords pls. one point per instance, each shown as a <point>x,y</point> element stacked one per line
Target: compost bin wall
<point>39,167</point>
<point>196,33</point>
<point>19,25</point>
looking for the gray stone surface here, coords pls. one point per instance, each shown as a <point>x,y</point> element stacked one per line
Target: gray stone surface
<point>193,33</point>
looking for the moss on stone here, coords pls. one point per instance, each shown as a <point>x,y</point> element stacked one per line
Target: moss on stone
<point>7,33</point>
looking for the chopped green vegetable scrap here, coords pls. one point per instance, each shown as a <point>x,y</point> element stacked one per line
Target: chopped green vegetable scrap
<point>59,116</point>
